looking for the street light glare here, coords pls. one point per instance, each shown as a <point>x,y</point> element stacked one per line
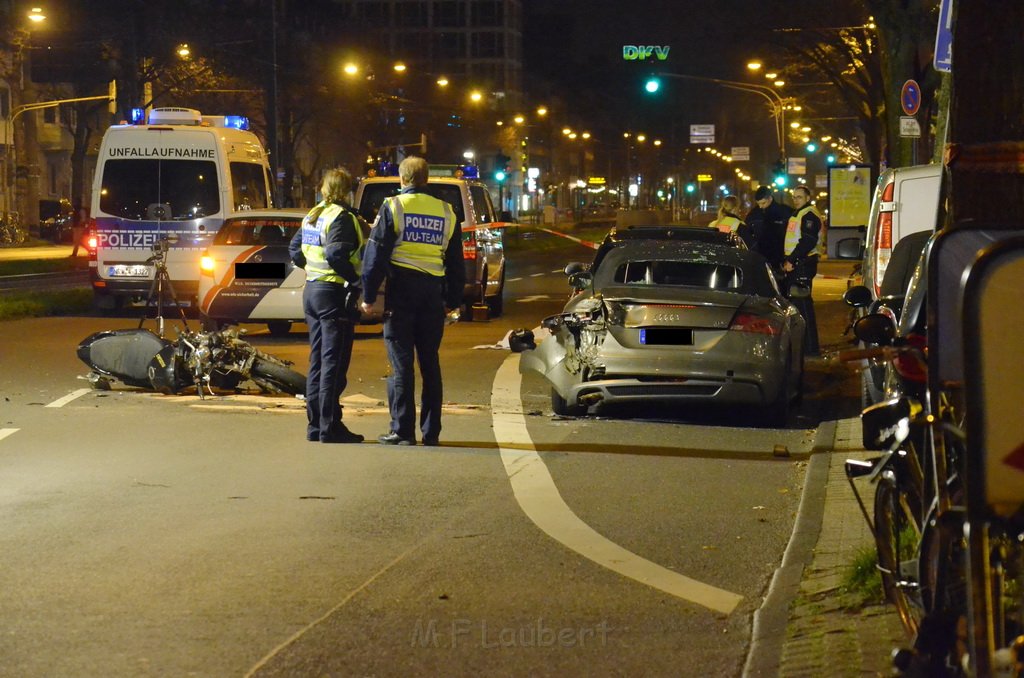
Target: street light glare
<point>442,81</point>
<point>542,111</point>
<point>754,65</point>
<point>476,95</point>
<point>36,15</point>
<point>779,83</point>
<point>351,69</point>
<point>519,119</point>
<point>184,51</point>
<point>399,67</point>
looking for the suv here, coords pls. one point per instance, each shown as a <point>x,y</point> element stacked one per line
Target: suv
<point>482,247</point>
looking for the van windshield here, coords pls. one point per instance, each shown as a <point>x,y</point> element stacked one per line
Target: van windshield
<point>156,190</point>
<point>375,193</point>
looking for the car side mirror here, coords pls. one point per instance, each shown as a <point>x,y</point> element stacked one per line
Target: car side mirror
<point>875,328</point>
<point>849,248</point>
<point>574,267</point>
<point>858,296</point>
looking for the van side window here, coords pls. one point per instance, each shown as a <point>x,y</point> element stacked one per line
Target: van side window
<point>481,204</point>
<point>248,187</point>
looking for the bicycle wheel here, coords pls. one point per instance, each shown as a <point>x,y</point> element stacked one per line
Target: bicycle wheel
<point>896,538</point>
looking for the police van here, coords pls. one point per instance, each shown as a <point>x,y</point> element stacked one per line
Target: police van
<point>163,187</point>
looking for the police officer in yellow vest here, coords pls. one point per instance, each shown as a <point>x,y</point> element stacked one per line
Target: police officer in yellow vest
<point>329,246</point>
<point>803,245</point>
<point>416,243</point>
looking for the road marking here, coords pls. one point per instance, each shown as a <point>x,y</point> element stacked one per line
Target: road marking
<point>532,297</point>
<point>540,500</point>
<point>61,402</point>
<point>537,275</point>
<point>513,279</point>
<point>4,432</point>
<point>325,616</point>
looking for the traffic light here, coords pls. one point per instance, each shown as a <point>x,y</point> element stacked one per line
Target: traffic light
<point>779,177</point>
<point>691,187</point>
<point>500,175</point>
<point>811,147</point>
<point>501,162</point>
<point>831,159</point>
<point>652,85</point>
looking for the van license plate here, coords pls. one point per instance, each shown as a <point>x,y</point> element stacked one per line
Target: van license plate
<point>128,271</point>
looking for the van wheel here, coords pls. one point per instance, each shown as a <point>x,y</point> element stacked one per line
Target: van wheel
<point>279,328</point>
<point>497,302</point>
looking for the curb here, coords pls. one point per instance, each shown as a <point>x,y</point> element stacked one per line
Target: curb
<point>768,634</point>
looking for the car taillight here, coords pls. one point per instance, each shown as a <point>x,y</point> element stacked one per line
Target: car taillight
<point>748,322</point>
<point>908,364</point>
<point>90,240</point>
<point>206,264</point>
<point>468,245</point>
<point>883,238</point>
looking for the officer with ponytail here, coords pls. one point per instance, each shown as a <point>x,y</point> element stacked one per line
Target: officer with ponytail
<point>329,246</point>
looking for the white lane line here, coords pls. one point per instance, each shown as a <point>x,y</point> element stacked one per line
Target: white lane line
<point>537,275</point>
<point>513,279</point>
<point>538,497</point>
<point>4,432</point>
<point>61,402</point>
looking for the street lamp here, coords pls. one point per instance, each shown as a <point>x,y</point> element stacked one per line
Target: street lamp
<point>777,103</point>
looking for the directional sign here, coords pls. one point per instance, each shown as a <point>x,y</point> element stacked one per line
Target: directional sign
<point>704,139</point>
<point>910,97</point>
<point>740,153</point>
<point>796,165</point>
<point>943,60</point>
<point>702,130</point>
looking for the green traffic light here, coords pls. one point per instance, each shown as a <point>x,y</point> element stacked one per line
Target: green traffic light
<point>499,176</point>
<point>653,85</point>
<point>690,188</point>
<point>831,159</point>
<point>780,180</point>
<point>812,147</point>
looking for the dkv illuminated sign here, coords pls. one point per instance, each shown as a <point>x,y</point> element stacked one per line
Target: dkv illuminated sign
<point>641,52</point>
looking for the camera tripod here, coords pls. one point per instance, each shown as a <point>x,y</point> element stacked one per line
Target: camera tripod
<point>161,283</point>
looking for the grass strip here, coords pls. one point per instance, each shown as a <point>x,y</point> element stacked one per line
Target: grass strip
<point>39,304</point>
<point>24,266</point>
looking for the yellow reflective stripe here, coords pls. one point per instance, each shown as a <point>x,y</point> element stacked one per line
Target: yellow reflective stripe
<point>420,240</point>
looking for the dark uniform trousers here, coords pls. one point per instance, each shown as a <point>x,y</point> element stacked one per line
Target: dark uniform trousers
<point>805,270</point>
<point>331,331</point>
<point>414,324</point>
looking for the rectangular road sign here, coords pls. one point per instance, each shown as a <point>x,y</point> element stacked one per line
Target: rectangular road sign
<point>702,138</point>
<point>909,127</point>
<point>796,166</point>
<point>702,130</point>
<point>740,153</point>
<point>943,60</point>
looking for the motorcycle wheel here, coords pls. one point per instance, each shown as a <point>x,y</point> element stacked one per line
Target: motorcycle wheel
<point>278,377</point>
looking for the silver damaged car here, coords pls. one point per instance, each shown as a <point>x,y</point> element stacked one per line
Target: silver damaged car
<point>678,322</point>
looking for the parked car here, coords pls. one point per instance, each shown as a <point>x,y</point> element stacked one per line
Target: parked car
<point>247,276</point>
<point>680,322</point>
<point>482,243</point>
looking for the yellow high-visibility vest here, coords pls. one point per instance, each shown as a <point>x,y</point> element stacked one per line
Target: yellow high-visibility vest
<point>314,233</point>
<point>793,232</point>
<point>727,224</point>
<point>424,226</point>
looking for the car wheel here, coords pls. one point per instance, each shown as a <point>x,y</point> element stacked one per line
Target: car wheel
<point>497,302</point>
<point>561,407</point>
<point>279,328</point>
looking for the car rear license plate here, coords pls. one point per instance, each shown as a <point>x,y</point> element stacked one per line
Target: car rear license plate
<point>128,271</point>
<point>666,336</point>
<point>261,271</point>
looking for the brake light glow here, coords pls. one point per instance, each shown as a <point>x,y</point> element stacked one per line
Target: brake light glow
<point>748,322</point>
<point>883,238</point>
<point>468,245</point>
<point>908,364</point>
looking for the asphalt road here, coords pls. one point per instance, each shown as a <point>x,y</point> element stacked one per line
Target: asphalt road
<point>167,535</point>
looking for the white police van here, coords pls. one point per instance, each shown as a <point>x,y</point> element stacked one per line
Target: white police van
<point>167,183</point>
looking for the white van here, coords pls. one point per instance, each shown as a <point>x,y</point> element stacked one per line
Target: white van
<point>167,184</point>
<point>906,201</point>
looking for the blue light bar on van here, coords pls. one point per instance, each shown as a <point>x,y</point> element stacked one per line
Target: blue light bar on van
<point>470,172</point>
<point>137,116</point>
<point>236,121</point>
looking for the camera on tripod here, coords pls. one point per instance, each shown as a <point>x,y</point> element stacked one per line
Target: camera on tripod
<point>161,246</point>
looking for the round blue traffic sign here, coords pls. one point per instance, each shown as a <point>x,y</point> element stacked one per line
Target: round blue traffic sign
<point>910,97</point>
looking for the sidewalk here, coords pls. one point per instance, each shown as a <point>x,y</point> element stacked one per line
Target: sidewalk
<point>823,637</point>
